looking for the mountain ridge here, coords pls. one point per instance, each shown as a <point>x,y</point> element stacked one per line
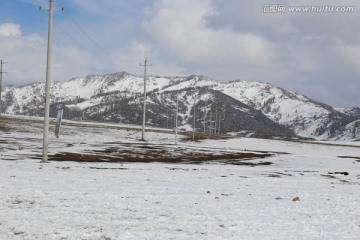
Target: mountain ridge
<point>104,98</point>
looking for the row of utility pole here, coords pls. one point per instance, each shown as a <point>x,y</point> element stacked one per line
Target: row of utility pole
<point>213,125</point>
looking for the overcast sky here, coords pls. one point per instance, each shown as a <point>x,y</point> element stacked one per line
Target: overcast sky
<point>316,54</point>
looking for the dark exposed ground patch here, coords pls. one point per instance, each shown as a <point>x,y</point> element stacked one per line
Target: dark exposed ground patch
<point>144,153</point>
<point>277,174</point>
<point>339,173</point>
<point>284,174</point>
<point>273,175</point>
<point>4,128</point>
<point>349,157</point>
<point>329,176</point>
<point>104,168</point>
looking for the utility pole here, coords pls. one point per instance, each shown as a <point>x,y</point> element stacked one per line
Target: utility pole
<point>1,73</point>
<point>210,121</point>
<point>144,102</point>
<point>219,125</point>
<point>47,86</point>
<point>216,116</point>
<point>193,136</point>
<point>176,117</point>
<point>205,116</point>
<point>221,118</point>
<point>167,118</point>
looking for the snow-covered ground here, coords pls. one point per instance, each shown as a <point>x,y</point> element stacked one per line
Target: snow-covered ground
<point>72,200</point>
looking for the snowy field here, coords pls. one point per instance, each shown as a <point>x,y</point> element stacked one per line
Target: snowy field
<point>313,192</point>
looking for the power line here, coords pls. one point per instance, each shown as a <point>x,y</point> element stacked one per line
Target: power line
<point>116,62</point>
<point>69,35</point>
<point>87,35</point>
<point>84,48</point>
<point>120,62</point>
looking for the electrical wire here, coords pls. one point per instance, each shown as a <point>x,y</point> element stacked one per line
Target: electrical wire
<point>115,59</point>
<point>85,49</point>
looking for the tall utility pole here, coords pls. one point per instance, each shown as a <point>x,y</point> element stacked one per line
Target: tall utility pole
<point>176,116</point>
<point>1,73</point>
<point>144,102</point>
<point>47,86</point>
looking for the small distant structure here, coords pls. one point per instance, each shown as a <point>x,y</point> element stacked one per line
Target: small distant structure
<point>59,116</point>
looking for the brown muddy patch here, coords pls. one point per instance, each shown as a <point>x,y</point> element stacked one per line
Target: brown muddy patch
<point>349,157</point>
<point>143,153</point>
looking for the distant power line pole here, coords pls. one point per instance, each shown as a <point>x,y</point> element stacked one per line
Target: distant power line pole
<point>219,125</point>
<point>144,102</point>
<point>167,118</point>
<point>210,121</point>
<point>194,120</point>
<point>176,116</point>
<point>216,118</point>
<point>205,116</point>
<point>219,122</point>
<point>1,73</point>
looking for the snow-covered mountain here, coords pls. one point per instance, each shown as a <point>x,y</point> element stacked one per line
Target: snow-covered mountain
<point>239,106</point>
<point>303,115</point>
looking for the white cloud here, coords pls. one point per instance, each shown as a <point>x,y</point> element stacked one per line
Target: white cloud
<point>26,59</point>
<point>9,29</point>
<point>350,54</point>
<point>226,40</point>
<point>181,28</point>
